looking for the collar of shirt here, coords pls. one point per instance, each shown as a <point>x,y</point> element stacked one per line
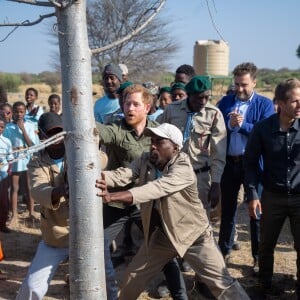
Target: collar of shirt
<point>242,106</point>
<point>132,130</point>
<point>276,124</point>
<point>249,99</point>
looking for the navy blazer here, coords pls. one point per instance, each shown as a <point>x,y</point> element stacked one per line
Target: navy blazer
<point>260,108</point>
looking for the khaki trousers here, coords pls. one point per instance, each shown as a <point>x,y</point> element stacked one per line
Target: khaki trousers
<point>203,256</point>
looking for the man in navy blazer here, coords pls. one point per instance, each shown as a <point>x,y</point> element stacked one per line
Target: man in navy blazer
<point>241,111</point>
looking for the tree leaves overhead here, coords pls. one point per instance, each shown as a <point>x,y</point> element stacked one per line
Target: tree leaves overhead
<point>146,53</point>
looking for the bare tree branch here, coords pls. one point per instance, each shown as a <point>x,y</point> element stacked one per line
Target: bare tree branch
<point>27,22</point>
<point>133,33</point>
<point>35,2</point>
<point>6,37</point>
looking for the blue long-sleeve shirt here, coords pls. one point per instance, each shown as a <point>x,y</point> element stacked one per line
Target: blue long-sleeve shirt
<point>259,108</point>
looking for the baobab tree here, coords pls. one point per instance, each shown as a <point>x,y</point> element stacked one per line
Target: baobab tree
<point>87,279</point>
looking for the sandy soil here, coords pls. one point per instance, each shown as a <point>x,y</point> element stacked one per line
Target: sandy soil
<point>20,246</point>
<point>21,243</point>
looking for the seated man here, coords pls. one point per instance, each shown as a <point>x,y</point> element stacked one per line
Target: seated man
<point>174,220</point>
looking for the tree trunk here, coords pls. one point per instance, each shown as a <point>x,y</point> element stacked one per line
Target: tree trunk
<point>87,276</point>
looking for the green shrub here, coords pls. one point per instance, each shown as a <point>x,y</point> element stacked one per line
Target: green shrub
<point>10,82</point>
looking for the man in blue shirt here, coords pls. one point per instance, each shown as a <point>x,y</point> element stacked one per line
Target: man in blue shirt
<point>106,106</point>
<point>241,111</point>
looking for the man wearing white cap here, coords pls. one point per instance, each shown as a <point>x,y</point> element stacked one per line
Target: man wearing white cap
<point>174,220</point>
<point>124,69</point>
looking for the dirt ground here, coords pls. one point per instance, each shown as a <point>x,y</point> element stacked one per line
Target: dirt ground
<point>20,246</point>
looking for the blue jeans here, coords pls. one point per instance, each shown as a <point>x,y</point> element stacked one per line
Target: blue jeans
<point>232,178</point>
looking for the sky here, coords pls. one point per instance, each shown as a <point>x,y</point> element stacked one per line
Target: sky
<point>265,32</point>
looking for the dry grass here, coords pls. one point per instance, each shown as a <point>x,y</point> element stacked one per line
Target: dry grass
<point>20,246</point>
<point>44,92</point>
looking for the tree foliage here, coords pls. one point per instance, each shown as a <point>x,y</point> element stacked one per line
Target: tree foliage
<point>145,53</point>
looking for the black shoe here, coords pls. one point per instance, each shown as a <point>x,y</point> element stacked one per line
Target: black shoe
<point>236,246</point>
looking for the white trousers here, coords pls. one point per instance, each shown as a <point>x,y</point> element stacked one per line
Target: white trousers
<point>41,271</point>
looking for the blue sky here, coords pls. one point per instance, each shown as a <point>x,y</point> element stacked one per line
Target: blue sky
<point>265,32</point>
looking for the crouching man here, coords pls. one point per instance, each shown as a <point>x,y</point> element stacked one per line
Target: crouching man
<point>174,220</point>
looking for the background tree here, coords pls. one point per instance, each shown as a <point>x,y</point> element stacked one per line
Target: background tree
<point>146,53</point>
<point>298,52</point>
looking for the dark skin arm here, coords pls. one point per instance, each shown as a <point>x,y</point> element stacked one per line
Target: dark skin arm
<point>107,197</point>
<point>214,194</point>
<point>28,141</point>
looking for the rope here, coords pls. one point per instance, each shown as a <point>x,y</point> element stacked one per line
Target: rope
<point>23,153</point>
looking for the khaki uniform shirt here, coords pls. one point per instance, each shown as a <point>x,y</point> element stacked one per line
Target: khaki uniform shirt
<point>206,145</point>
<point>175,192</point>
<point>44,176</point>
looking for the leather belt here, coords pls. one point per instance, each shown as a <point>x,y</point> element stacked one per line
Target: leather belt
<point>235,158</point>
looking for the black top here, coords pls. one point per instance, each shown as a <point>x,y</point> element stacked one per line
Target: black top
<point>281,158</point>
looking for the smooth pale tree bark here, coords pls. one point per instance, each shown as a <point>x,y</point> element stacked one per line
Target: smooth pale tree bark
<point>87,272</point>
<point>87,278</point>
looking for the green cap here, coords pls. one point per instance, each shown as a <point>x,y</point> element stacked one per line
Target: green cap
<point>164,89</point>
<point>178,86</point>
<point>198,84</point>
<point>123,86</point>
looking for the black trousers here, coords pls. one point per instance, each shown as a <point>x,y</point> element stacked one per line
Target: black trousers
<point>232,178</point>
<point>276,208</point>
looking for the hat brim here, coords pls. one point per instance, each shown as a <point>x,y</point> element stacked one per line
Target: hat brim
<point>150,131</point>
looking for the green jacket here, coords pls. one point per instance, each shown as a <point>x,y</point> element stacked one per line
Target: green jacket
<point>121,143</point>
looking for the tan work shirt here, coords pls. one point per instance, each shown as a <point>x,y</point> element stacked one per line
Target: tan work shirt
<point>44,177</point>
<point>206,145</point>
<point>182,214</point>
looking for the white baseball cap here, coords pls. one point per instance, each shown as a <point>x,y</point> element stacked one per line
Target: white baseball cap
<point>166,131</point>
<point>124,69</point>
